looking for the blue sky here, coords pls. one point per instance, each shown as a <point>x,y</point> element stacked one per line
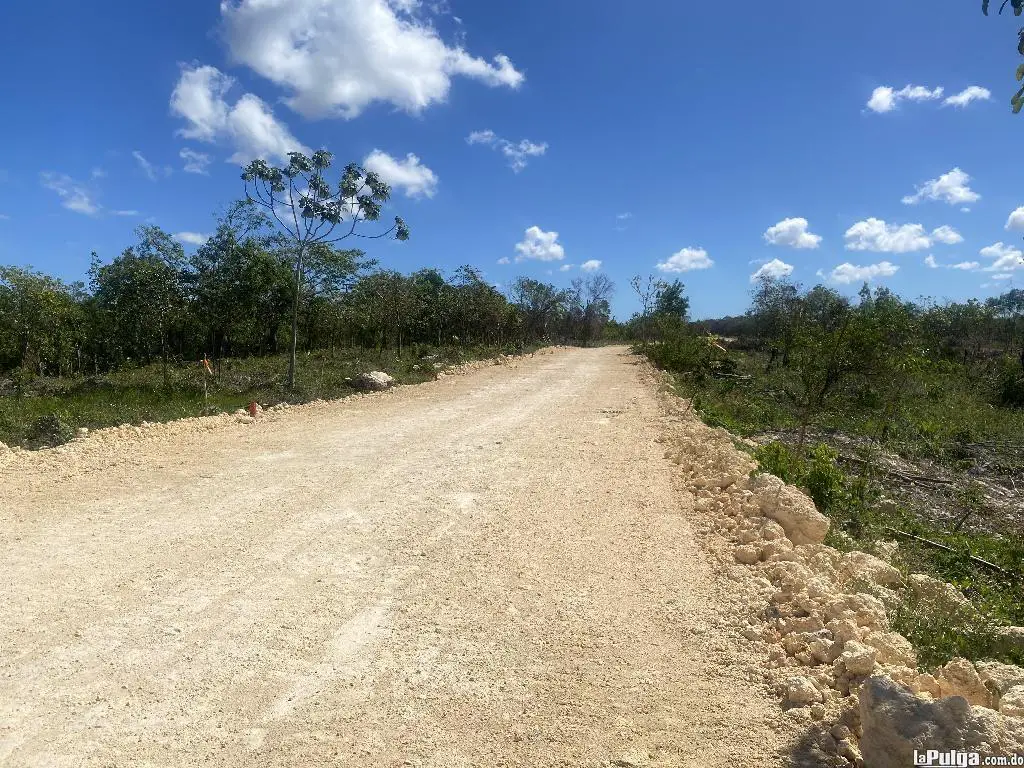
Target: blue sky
<point>692,141</point>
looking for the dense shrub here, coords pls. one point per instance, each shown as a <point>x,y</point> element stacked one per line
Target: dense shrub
<point>825,482</point>
<point>779,460</point>
<point>681,351</point>
<point>1010,385</point>
<point>48,431</point>
<point>817,474</point>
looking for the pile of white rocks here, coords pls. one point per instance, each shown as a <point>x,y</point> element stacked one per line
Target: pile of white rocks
<point>824,619</point>
<point>475,365</point>
<point>374,381</point>
<point>6,455</point>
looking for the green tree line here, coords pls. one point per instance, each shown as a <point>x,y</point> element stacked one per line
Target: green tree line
<point>869,355</point>
<point>234,297</point>
<point>881,340</point>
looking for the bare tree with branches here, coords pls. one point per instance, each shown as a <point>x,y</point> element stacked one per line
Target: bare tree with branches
<point>309,212</point>
<point>648,294</point>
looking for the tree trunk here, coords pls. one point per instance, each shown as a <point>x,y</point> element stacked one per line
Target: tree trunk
<point>805,418</point>
<point>163,355</point>
<point>295,319</point>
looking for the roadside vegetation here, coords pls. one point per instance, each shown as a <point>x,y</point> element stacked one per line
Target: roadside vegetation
<point>904,421</point>
<point>261,311</point>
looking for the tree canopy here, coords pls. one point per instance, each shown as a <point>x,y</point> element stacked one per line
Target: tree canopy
<point>1017,102</point>
<point>235,296</point>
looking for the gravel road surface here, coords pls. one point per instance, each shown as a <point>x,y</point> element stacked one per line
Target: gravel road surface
<point>493,569</point>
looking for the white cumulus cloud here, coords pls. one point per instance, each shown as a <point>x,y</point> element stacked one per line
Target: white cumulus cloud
<point>337,57</point>
<point>964,266</point>
<point>1016,219</point>
<point>774,268</point>
<point>248,125</point>
<point>256,133</point>
<point>949,188</point>
<point>540,245</point>
<point>192,238</point>
<point>199,98</point>
<point>515,152</point>
<point>408,175</point>
<point>848,273</point>
<point>590,266</point>
<point>883,99</point>
<point>947,235</point>
<point>792,232</point>
<point>875,235</point>
<point>886,99</point>
<point>967,95</point>
<point>1005,258</point>
<point>686,260</point>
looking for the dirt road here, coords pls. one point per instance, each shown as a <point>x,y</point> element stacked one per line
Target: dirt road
<point>488,570</point>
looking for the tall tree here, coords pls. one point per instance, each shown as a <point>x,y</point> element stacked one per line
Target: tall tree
<point>239,285</point>
<point>141,296</point>
<point>647,291</point>
<point>480,309</point>
<point>775,309</point>
<point>41,321</point>
<point>596,294</point>
<point>1010,308</point>
<point>540,304</point>
<point>822,353</point>
<point>671,300</point>
<point>309,212</point>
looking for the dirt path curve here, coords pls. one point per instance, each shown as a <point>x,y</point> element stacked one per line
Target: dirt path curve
<point>488,570</point>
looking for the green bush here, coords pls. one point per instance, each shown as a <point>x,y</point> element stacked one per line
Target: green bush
<point>48,431</point>
<point>817,474</point>
<point>775,457</point>
<point>824,481</point>
<point>1010,384</point>
<point>681,354</point>
<point>939,635</point>
<point>950,414</point>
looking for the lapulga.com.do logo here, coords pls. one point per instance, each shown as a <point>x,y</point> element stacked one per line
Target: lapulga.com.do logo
<point>947,758</point>
<point>953,758</point>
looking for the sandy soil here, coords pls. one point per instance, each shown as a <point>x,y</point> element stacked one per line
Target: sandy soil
<point>489,570</point>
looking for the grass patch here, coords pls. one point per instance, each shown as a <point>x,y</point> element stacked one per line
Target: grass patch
<point>860,520</point>
<point>939,636</point>
<point>950,411</point>
<point>46,412</point>
<point>950,408</point>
